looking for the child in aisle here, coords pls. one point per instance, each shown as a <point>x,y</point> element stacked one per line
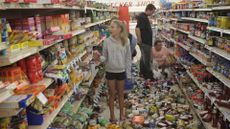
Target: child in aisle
<point>116,55</point>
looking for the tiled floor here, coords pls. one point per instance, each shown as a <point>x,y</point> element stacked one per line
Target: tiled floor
<point>106,112</point>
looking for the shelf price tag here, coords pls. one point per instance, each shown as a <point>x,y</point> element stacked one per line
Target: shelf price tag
<point>76,87</point>
<point>42,98</point>
<point>225,116</point>
<point>206,94</point>
<point>213,100</point>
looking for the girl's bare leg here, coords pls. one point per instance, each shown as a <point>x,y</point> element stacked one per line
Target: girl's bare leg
<point>112,85</point>
<point>120,88</point>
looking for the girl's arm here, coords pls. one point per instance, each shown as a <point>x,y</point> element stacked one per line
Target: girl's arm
<point>129,61</point>
<point>104,55</point>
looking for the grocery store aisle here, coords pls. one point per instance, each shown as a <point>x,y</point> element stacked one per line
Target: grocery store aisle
<point>106,113</point>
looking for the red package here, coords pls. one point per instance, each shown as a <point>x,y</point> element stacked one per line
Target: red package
<point>34,77</point>
<point>22,65</point>
<point>67,36</point>
<point>31,63</point>
<point>55,1</point>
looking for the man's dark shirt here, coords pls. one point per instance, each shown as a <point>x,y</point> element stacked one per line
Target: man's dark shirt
<point>145,27</point>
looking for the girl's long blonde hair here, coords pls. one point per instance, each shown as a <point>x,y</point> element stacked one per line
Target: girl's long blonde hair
<point>123,35</point>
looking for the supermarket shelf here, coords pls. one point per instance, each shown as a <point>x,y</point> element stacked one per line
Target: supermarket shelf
<point>171,51</point>
<point>18,55</point>
<point>92,78</point>
<point>3,46</point>
<point>171,27</point>
<point>196,9</point>
<point>100,10</point>
<point>185,66</point>
<point>199,9</point>
<point>23,6</point>
<point>10,6</point>
<point>200,40</point>
<point>5,94</point>
<point>98,88</point>
<point>220,76</point>
<point>180,10</point>
<point>224,111</point>
<point>174,19</point>
<point>9,112</point>
<point>96,23</point>
<point>225,31</point>
<point>78,32</point>
<point>183,46</point>
<point>173,40</point>
<point>195,19</point>
<point>165,37</point>
<point>12,112</point>
<point>78,103</point>
<point>221,8</point>
<point>46,81</point>
<point>183,31</point>
<point>164,19</point>
<point>219,52</point>
<point>206,125</point>
<point>48,119</point>
<point>202,9</point>
<point>200,59</point>
<point>197,111</point>
<point>197,82</point>
<point>98,43</point>
<point>79,56</point>
<point>214,29</point>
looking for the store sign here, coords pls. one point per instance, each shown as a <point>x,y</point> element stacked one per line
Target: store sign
<point>132,3</point>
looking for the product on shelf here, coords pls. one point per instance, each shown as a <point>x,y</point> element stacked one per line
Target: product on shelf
<point>42,54</point>
<point>37,109</point>
<point>221,65</point>
<point>12,74</point>
<point>219,42</point>
<point>19,121</point>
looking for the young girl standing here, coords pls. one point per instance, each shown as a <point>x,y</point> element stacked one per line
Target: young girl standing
<point>116,55</point>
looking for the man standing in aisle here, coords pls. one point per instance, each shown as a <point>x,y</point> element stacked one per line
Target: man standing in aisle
<point>144,38</point>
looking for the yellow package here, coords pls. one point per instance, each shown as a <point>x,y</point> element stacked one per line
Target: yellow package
<point>35,43</point>
<point>170,117</point>
<point>14,47</point>
<point>24,45</point>
<point>225,22</point>
<point>219,21</point>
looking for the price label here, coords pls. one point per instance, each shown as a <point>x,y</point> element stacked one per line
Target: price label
<point>68,68</point>
<point>225,116</point>
<point>213,100</point>
<point>206,94</point>
<point>42,98</point>
<point>75,89</point>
